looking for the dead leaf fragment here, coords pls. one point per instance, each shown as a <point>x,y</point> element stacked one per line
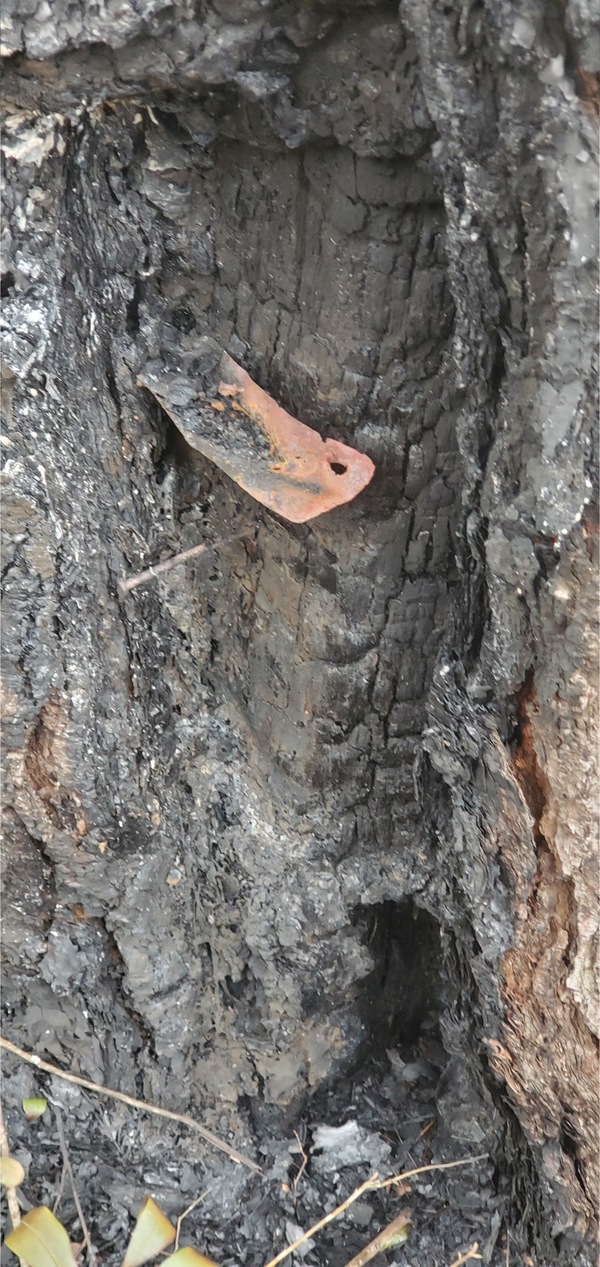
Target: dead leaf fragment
<point>188,1257</point>
<point>11,1172</point>
<point>151,1234</point>
<point>41,1240</point>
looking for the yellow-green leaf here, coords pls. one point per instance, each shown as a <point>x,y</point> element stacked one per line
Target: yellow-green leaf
<point>398,1238</point>
<point>11,1172</point>
<point>34,1108</point>
<point>187,1258</point>
<point>152,1232</point>
<point>41,1240</point>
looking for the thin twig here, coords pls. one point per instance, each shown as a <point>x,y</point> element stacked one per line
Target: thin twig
<point>420,1170</point>
<point>189,1211</point>
<point>467,1256</point>
<point>304,1163</point>
<point>306,1236</point>
<point>58,1197</point>
<point>395,1233</point>
<point>11,1192</point>
<point>374,1184</point>
<point>69,1170</point>
<point>44,1065</point>
<point>125,586</point>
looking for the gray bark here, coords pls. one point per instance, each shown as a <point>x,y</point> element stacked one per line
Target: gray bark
<point>270,815</point>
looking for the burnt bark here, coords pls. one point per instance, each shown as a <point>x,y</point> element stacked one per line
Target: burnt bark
<point>332,790</point>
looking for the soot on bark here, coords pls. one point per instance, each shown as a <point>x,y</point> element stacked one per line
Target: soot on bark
<point>387,219</point>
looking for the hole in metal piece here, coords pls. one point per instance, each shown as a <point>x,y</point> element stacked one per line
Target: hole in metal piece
<point>338,468</point>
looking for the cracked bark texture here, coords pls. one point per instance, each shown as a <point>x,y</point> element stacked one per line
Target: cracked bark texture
<point>388,217</point>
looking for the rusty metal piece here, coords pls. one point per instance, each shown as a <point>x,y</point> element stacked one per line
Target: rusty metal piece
<point>280,461</point>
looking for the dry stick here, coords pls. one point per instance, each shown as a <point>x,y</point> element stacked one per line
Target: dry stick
<point>378,1184</point>
<point>11,1192</point>
<point>467,1256</point>
<point>58,1197</point>
<point>125,586</point>
<point>304,1162</point>
<point>69,1171</point>
<point>364,1187</point>
<point>394,1234</point>
<point>370,1185</point>
<point>44,1065</point>
<point>187,1211</point>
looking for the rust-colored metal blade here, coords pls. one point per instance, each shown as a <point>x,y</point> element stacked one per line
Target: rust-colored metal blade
<point>280,461</point>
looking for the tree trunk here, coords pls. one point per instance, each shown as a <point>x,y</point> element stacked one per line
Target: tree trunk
<point>329,791</point>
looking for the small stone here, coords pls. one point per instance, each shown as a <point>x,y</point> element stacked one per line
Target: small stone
<point>360,1214</point>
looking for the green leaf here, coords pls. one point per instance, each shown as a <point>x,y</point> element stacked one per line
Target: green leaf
<point>34,1109</point>
<point>188,1258</point>
<point>11,1172</point>
<point>152,1232</point>
<point>41,1240</point>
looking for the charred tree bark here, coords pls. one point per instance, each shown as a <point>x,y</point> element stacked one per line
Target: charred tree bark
<point>336,786</point>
